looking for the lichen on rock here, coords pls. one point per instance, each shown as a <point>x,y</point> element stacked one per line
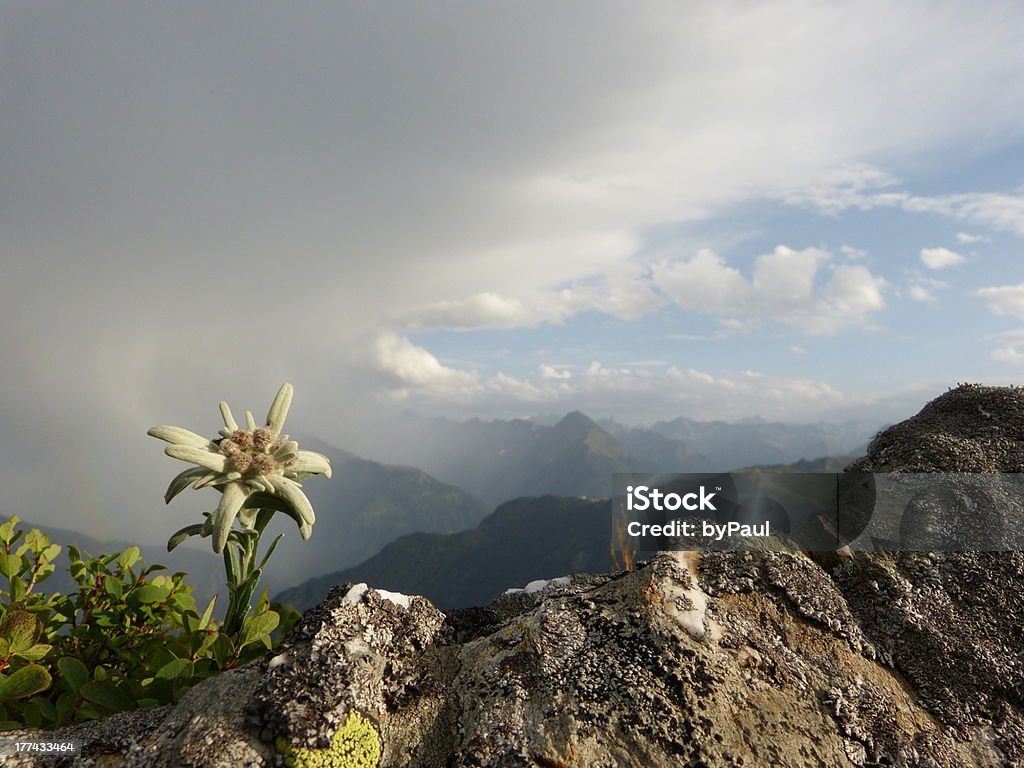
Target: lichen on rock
<point>356,744</point>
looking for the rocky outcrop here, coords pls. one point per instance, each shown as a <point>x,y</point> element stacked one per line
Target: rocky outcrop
<point>726,659</point>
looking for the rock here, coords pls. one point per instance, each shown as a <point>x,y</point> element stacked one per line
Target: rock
<point>726,659</point>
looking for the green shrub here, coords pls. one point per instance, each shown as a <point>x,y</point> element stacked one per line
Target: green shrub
<point>128,637</point>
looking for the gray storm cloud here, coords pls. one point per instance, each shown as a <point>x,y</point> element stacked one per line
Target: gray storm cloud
<point>199,201</point>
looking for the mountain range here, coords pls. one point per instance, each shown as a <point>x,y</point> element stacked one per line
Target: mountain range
<point>523,540</point>
<point>576,456</point>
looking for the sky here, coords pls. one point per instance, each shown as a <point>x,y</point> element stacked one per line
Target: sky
<point>792,210</point>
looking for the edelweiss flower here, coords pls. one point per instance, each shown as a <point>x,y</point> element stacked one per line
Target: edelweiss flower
<point>255,468</point>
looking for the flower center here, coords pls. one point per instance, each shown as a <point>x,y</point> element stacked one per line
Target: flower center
<point>255,452</point>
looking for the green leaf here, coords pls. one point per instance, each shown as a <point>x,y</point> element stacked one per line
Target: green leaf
<point>257,627</point>
<point>129,557</point>
<point>106,694</point>
<point>150,593</point>
<point>7,529</point>
<point>270,551</point>
<point>114,587</point>
<point>50,552</point>
<point>73,672</point>
<point>175,669</point>
<point>21,628</point>
<point>190,621</point>
<point>46,707</point>
<point>10,565</point>
<point>184,533</point>
<point>35,653</point>
<point>223,649</point>
<point>66,706</point>
<point>25,682</point>
<point>207,613</point>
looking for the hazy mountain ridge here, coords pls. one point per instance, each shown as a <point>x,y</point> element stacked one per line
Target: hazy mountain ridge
<point>502,460</point>
<point>524,539</point>
<point>576,455</point>
<point>367,504</point>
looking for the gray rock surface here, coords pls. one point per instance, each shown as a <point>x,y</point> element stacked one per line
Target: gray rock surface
<point>726,659</point>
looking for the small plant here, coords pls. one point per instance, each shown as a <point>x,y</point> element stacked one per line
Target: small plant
<point>256,470</point>
<point>128,636</point>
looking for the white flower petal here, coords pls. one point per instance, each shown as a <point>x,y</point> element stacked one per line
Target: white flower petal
<point>222,518</point>
<point>311,462</point>
<point>291,493</point>
<point>178,436</point>
<point>208,459</point>
<point>279,408</point>
<point>229,421</point>
<point>250,421</point>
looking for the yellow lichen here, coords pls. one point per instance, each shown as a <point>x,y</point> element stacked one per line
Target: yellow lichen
<point>356,744</point>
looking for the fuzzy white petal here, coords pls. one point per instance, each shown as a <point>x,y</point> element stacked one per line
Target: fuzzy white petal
<point>311,462</point>
<point>203,458</point>
<point>232,500</point>
<point>279,408</point>
<point>229,421</point>
<point>178,436</point>
<point>291,492</point>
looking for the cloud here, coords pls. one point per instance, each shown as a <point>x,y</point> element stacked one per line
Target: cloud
<point>253,211</point>
<point>643,391</point>
<point>965,238</point>
<point>865,187</point>
<point>413,369</point>
<point>1003,299</point>
<point>922,294</point>
<point>940,258</point>
<point>550,372</point>
<point>783,288</point>
<point>1010,347</point>
<point>797,350</point>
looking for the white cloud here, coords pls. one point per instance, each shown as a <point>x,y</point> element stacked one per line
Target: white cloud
<point>1010,349</point>
<point>853,253</point>
<point>687,337</point>
<point>410,368</point>
<point>966,238</point>
<point>797,350</point>
<point>783,288</point>
<point>922,294</point>
<point>865,187</point>
<point>1008,354</point>
<point>1003,299</point>
<point>642,390</point>
<point>551,372</point>
<point>940,258</point>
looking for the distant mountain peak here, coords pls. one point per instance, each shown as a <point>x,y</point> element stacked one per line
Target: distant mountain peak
<point>577,420</point>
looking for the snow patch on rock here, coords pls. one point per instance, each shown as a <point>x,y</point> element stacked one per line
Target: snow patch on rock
<point>395,597</point>
<point>355,594</point>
